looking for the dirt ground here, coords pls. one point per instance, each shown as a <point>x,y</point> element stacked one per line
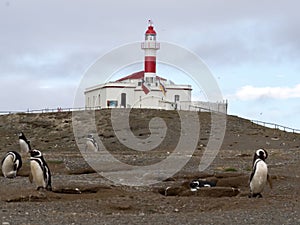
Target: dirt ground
<point>82,196</point>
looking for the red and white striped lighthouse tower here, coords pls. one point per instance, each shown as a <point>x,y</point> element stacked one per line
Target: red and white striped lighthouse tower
<point>150,46</point>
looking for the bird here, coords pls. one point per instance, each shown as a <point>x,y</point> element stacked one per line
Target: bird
<point>24,143</point>
<point>91,143</point>
<point>197,184</point>
<point>259,175</point>
<point>11,164</point>
<point>40,172</point>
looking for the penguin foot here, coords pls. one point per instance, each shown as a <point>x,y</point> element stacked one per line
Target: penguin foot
<point>49,188</point>
<point>259,195</point>
<point>40,188</point>
<point>256,195</point>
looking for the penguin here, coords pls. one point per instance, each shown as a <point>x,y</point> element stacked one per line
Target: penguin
<point>40,172</point>
<point>259,176</point>
<point>197,184</point>
<point>11,163</point>
<point>24,143</point>
<point>91,143</point>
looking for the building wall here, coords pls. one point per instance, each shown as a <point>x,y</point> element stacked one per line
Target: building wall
<point>177,96</point>
<point>113,95</point>
<point>136,98</point>
<point>151,100</point>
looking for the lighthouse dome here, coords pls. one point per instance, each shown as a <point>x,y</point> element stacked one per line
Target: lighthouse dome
<point>150,30</point>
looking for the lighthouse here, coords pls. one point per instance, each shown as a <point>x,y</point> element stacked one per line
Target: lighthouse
<point>150,46</point>
<point>141,89</point>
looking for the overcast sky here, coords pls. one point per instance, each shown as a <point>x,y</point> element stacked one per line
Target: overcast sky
<point>251,47</point>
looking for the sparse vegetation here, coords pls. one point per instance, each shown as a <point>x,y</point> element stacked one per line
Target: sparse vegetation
<point>230,169</point>
<point>82,195</point>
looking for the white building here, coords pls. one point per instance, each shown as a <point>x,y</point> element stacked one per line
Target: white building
<point>143,89</point>
<point>128,92</point>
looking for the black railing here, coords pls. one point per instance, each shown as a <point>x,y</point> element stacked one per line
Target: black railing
<point>275,126</point>
<point>48,110</point>
<point>257,122</point>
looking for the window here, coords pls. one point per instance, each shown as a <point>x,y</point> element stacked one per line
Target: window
<point>123,100</point>
<point>94,101</point>
<point>176,98</point>
<point>112,103</point>
<point>149,79</point>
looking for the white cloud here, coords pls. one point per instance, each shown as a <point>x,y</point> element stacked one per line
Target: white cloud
<point>255,93</point>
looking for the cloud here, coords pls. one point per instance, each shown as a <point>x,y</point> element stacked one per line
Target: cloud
<point>249,92</point>
<point>47,46</point>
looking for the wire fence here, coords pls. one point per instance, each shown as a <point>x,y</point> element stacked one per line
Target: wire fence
<point>59,109</point>
<point>275,126</point>
<point>47,110</point>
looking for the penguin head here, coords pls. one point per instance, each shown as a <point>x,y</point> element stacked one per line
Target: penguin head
<point>90,137</point>
<point>21,135</point>
<point>194,185</point>
<point>261,154</point>
<point>36,153</point>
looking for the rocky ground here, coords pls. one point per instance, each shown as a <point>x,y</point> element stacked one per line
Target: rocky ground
<point>82,196</point>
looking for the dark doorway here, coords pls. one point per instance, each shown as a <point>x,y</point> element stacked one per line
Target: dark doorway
<point>123,100</point>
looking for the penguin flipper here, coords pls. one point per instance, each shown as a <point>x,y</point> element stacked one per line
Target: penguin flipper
<point>269,179</point>
<point>3,160</point>
<point>16,165</point>
<point>28,142</point>
<point>251,176</point>
<point>252,173</point>
<point>30,177</point>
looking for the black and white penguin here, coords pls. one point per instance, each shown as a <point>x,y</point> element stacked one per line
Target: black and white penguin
<point>259,176</point>
<point>197,184</point>
<point>40,172</point>
<point>91,144</point>
<point>11,163</point>
<point>24,143</point>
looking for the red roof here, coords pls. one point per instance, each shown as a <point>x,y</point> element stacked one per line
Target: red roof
<point>150,30</point>
<point>137,76</point>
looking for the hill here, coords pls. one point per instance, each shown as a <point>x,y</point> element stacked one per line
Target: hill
<point>53,131</point>
<point>99,200</point>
